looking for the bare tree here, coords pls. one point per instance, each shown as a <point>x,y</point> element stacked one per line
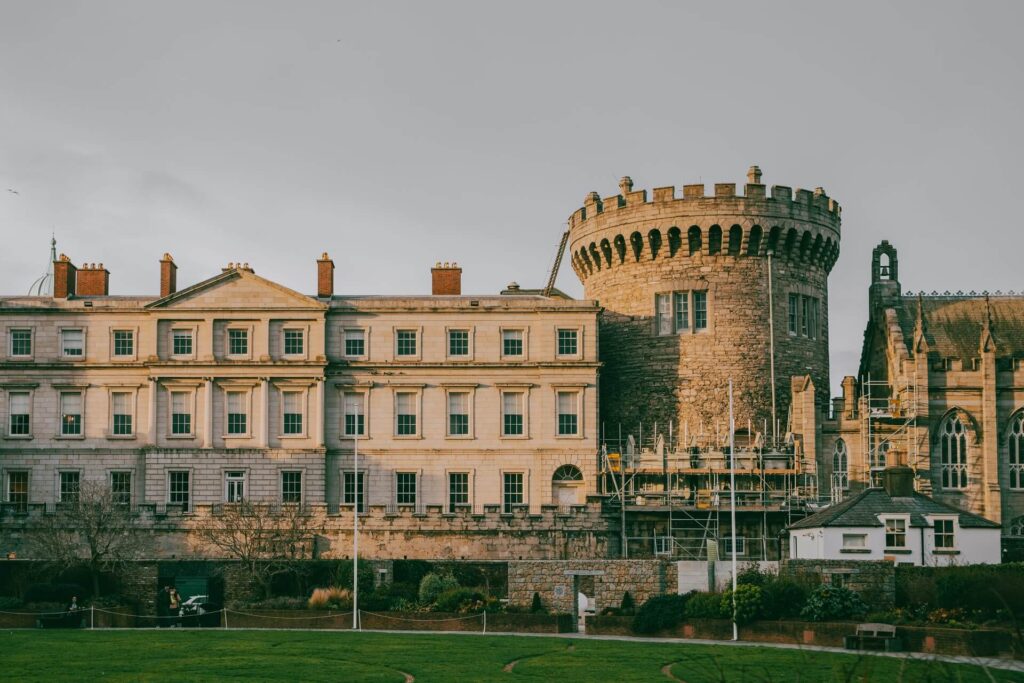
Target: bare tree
<point>267,539</point>
<point>96,531</point>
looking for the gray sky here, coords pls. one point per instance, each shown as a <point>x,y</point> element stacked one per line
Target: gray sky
<point>394,135</point>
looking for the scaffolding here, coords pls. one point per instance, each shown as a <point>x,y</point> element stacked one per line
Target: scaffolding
<point>677,486</point>
<point>889,419</point>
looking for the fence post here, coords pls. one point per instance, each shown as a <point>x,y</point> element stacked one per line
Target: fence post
<point>225,617</point>
<point>359,619</point>
<point>485,621</point>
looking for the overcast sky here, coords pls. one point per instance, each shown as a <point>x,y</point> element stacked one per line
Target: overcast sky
<point>395,135</point>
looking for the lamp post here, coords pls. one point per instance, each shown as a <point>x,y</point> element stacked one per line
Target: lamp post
<point>732,493</point>
<point>355,523</point>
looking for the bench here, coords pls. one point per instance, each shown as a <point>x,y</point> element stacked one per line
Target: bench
<point>873,637</point>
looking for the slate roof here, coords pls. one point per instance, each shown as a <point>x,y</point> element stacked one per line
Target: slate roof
<point>953,324</point>
<point>863,510</point>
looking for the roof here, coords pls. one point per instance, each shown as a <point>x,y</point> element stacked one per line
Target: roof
<point>863,509</point>
<point>953,324</point>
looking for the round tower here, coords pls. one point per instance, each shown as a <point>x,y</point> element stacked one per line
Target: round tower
<point>684,283</point>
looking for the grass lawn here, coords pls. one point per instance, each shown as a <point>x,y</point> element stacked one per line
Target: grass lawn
<point>339,656</point>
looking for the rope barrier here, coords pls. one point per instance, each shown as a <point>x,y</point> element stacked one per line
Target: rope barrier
<point>274,616</point>
<point>388,616</point>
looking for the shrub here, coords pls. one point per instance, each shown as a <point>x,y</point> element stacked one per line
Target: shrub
<point>331,598</point>
<point>833,602</point>
<point>782,598</point>
<point>659,613</point>
<point>9,603</point>
<point>536,606</point>
<point>281,602</point>
<point>753,575</point>
<point>748,603</point>
<point>704,606</point>
<point>628,605</point>
<point>433,585</point>
<point>460,600</point>
<point>980,588</point>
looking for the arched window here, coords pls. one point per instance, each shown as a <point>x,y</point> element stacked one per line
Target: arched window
<point>754,241</point>
<point>1016,526</point>
<point>1015,446</point>
<point>693,238</point>
<point>715,240</point>
<point>840,466</point>
<point>735,240</point>
<point>953,455</point>
<point>567,473</point>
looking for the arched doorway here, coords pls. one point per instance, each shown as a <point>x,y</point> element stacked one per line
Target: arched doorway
<point>567,486</point>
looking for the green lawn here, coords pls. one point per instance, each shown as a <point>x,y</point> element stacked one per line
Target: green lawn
<point>340,656</point>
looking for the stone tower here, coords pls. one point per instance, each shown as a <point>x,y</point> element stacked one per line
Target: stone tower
<point>684,285</point>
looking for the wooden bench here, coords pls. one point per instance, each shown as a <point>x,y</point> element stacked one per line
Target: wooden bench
<point>873,637</point>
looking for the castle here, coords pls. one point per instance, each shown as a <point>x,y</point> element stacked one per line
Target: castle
<point>522,425</point>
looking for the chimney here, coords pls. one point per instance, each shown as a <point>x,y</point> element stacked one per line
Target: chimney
<point>898,481</point>
<point>446,279</point>
<point>64,277</point>
<point>325,277</point>
<point>754,175</point>
<point>168,276</point>
<point>93,280</point>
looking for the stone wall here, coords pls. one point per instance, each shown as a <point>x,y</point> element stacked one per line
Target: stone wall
<point>874,581</point>
<point>603,580</point>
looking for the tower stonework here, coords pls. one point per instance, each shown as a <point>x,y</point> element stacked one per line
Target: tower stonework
<point>683,283</point>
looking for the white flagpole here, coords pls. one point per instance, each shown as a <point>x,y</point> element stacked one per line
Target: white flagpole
<point>732,492</point>
<point>355,524</point>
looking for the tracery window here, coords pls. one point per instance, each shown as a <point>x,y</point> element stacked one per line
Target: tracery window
<point>1015,446</point>
<point>840,466</point>
<point>953,454</point>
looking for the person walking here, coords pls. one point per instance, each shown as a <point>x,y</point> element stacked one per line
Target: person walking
<point>174,607</point>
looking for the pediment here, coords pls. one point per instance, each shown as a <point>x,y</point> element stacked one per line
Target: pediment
<point>237,290</point>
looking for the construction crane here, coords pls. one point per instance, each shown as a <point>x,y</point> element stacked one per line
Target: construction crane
<point>557,265</point>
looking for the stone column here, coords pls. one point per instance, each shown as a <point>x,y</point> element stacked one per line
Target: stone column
<point>990,493</point>
<point>208,413</point>
<point>154,385</point>
<point>264,412</point>
<point>318,427</point>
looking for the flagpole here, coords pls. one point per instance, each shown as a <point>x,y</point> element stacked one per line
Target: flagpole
<point>732,492</point>
<point>355,524</point>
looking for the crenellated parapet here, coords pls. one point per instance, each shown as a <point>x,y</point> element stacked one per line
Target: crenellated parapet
<point>801,226</point>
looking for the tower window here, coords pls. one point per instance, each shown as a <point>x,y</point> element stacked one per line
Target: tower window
<point>678,312</point>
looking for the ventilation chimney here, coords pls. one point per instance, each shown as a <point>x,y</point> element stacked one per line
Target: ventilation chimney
<point>64,276</point>
<point>325,276</point>
<point>93,280</point>
<point>898,481</point>
<point>754,175</point>
<point>168,276</point>
<point>446,279</point>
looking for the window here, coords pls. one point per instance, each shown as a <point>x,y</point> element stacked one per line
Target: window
<point>855,541</point>
<point>663,309</point>
<point>812,319</point>
<point>234,486</point>
<point>458,343</point>
<point>1017,527</point>
<point>20,414</point>
<point>700,311</point>
<point>294,343</point>
<point>568,342</point>
<point>291,487</point>
<point>1015,446</point>
<point>895,533</point>
<point>681,308</point>
<point>355,414</point>
<point>21,343</point>
<point>292,409</point>
<point>355,343</point>
<point>121,488</point>
<point>953,458</point>
<point>405,414</point>
<point>568,408</point>
<point>121,413</point>
<point>71,414</point>
<point>17,490</point>
<point>405,488</point>
<point>238,417</point>
<point>803,315</point>
<point>840,463</point>
<point>349,497</point>
<point>458,413</point>
<point>238,342</point>
<point>512,403</point>
<point>405,343</point>
<point>124,343</point>
<point>512,491</point>
<point>181,413</point>
<point>178,489</point>
<point>741,545</point>
<point>805,305</point>
<point>72,343</point>
<point>512,342</point>
<point>944,538</point>
<point>458,489</point>
<point>70,487</point>
<point>181,342</point>
<point>794,302</point>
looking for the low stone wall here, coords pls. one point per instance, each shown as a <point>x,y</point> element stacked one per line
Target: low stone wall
<point>606,581</point>
<point>874,580</point>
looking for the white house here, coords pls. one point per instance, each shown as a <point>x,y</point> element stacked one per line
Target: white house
<point>898,524</point>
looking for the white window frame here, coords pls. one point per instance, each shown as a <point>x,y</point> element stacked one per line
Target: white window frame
<point>303,392</point>
<point>579,342</point>
<point>359,474</point>
<point>128,357</point>
<point>513,389</point>
<point>506,507</point>
<point>417,392</point>
<point>59,497</point>
<point>578,390</point>
<point>250,341</point>
<point>60,339</point>
<point>227,475</point>
<point>468,356</point>
<point>365,355</point>
<point>304,330</point>
<point>470,476</point>
<point>131,483</point>
<point>1015,451</point>
<point>246,392</point>
<point>190,393</point>
<point>741,546</point>
<point>190,505</point>
<point>193,332</point>
<point>863,545</point>
<point>71,389</point>
<point>417,498</point>
<point>948,468</point>
<point>905,520</point>
<point>470,391</point>
<point>418,331</point>
<point>8,392</point>
<point>28,484</point>
<point>524,332</point>
<point>31,342</point>
<point>133,408</point>
<point>954,532</point>
<point>345,391</point>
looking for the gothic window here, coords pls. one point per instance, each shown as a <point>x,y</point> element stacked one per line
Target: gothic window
<point>1015,446</point>
<point>1017,526</point>
<point>840,466</point>
<point>953,456</point>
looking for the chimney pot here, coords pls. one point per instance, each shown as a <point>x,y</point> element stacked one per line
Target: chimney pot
<point>65,277</point>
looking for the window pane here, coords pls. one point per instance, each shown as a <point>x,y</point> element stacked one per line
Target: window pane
<point>663,311</point>
<point>792,310</point>
<point>355,414</point>
<point>20,419</point>
<point>21,342</point>
<point>512,342</point>
<point>406,343</point>
<point>124,343</point>
<point>405,412</point>
<point>181,342</point>
<point>354,343</point>
<point>512,490</point>
<point>292,401</point>
<point>567,413</point>
<point>567,343</point>
<point>238,342</point>
<point>291,487</point>
<point>71,414</point>
<point>512,413</point>
<point>293,342</point>
<point>458,489</point>
<point>72,343</point>
<point>682,310</point>
<point>405,488</point>
<point>458,413</point>
<point>700,310</point>
<point>458,342</point>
